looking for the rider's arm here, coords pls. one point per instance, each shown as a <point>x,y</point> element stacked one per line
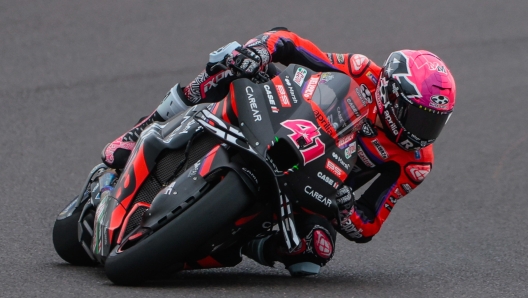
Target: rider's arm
<point>375,205</point>
<point>286,47</point>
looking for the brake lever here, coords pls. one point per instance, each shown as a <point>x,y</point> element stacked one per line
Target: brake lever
<point>218,65</point>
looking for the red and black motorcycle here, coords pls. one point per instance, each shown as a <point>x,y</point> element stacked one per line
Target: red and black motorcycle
<point>197,188</point>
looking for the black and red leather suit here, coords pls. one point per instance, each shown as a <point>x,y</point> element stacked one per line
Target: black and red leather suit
<point>399,171</point>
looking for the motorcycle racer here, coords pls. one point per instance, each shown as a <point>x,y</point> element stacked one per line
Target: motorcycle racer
<point>410,99</point>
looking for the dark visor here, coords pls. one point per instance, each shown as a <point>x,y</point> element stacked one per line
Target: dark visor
<point>422,123</point>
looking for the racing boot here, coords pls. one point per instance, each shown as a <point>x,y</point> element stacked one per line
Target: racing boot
<point>116,153</point>
<point>261,250</point>
<point>315,250</point>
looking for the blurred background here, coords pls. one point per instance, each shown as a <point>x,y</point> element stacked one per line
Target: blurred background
<point>74,75</point>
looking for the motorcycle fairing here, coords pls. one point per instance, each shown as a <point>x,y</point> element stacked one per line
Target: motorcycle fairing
<point>315,125</point>
<point>173,134</point>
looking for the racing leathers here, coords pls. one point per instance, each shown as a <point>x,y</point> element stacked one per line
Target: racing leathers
<point>399,171</point>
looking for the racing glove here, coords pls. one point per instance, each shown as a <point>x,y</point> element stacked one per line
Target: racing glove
<point>225,65</point>
<point>345,201</point>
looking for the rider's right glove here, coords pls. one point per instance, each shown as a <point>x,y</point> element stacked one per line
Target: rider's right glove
<point>248,61</point>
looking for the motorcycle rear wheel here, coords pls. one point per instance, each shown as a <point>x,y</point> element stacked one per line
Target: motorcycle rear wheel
<point>170,245</point>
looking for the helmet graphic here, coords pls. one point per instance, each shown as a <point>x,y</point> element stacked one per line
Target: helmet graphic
<point>415,98</point>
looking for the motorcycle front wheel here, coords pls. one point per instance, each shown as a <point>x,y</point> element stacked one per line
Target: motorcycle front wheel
<point>170,245</point>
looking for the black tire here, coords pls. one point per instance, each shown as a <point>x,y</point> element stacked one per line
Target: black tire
<point>65,240</point>
<point>182,236</point>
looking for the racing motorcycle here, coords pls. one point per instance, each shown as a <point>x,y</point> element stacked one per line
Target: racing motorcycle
<point>197,188</point>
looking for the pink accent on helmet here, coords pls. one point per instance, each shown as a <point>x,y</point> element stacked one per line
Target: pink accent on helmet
<point>432,78</point>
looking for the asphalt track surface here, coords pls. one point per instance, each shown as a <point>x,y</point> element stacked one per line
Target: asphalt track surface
<point>76,74</point>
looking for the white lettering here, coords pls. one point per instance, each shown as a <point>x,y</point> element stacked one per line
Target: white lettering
<point>308,189</point>
<point>253,104</point>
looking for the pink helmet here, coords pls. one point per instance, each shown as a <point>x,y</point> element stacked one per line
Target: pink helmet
<point>415,98</point>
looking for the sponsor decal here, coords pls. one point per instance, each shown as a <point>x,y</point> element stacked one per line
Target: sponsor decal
<point>381,99</point>
<point>193,172</point>
<point>269,95</point>
<point>310,88</point>
<point>364,158</point>
<point>324,122</point>
<point>328,180</point>
<point>372,77</point>
<point>283,97</point>
<point>368,131</point>
<point>331,119</point>
<point>359,62</point>
<point>314,194</point>
<point>418,154</point>
<point>343,142</point>
<point>251,175</point>
<point>274,109</point>
<point>340,116</point>
<point>349,152</point>
<point>392,200</point>
<point>417,171</point>
<point>292,94</point>
<point>406,144</point>
<point>290,89</point>
<point>187,126</point>
<point>393,127</point>
<point>213,81</point>
<point>389,207</point>
<point>434,66</point>
<point>364,94</point>
<point>340,58</point>
<point>336,170</point>
<point>406,187</point>
<point>439,101</point>
<point>326,77</point>
<point>397,193</point>
<point>330,57</point>
<point>299,76</point>
<point>380,149</point>
<point>169,188</point>
<point>287,80</point>
<point>306,137</point>
<point>340,160</point>
<point>253,104</point>
<point>350,229</point>
<point>353,106</point>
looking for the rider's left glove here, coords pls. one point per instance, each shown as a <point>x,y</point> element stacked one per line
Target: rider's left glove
<point>345,201</point>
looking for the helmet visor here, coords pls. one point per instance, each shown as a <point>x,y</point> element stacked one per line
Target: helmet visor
<point>422,122</point>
